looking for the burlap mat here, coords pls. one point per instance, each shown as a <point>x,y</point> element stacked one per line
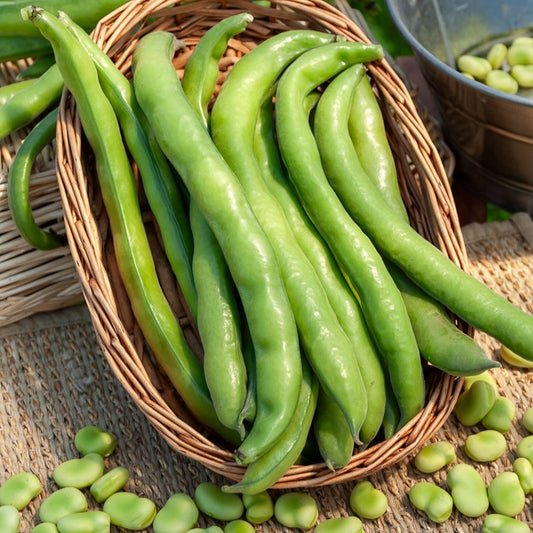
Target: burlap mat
<point>54,381</point>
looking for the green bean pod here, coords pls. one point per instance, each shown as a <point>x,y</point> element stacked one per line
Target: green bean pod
<point>251,260</point>
<point>9,90</point>
<point>14,47</point>
<point>427,266</point>
<point>18,186</point>
<point>274,464</point>
<point>135,262</point>
<point>11,22</point>
<point>380,298</point>
<point>27,104</point>
<point>340,295</point>
<point>233,123</point>
<point>218,319</point>
<point>159,183</point>
<point>37,68</point>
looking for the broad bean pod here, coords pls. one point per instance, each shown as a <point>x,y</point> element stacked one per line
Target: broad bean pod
<point>342,298</point>
<point>250,257</point>
<point>14,47</point>
<point>233,123</point>
<point>9,90</point>
<point>28,104</point>
<point>18,186</point>
<point>218,317</point>
<point>135,262</point>
<point>391,327</point>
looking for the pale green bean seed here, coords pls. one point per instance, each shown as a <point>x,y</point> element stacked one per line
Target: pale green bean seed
<point>498,523</point>
<point>86,522</point>
<point>61,503</point>
<point>527,420</point>
<point>210,529</point>
<point>520,54</point>
<point>20,489</point>
<point>368,502</point>
<point>510,357</point>
<point>485,446</point>
<point>484,376</point>
<point>211,501</point>
<point>80,472</point>
<point>524,448</point>
<point>502,81</point>
<point>239,526</point>
<point>468,75</point>
<point>296,510</point>
<point>111,482</point>
<point>93,439</point>
<point>178,515</point>
<point>45,527</point>
<point>497,55</point>
<point>431,499</point>
<point>259,507</point>
<point>506,495</point>
<point>501,416</point>
<point>523,468</point>
<point>344,524</point>
<point>523,74</point>
<point>478,67</point>
<point>523,40</point>
<point>474,403</point>
<point>130,511</point>
<point>468,490</point>
<point>9,519</point>
<point>435,456</point>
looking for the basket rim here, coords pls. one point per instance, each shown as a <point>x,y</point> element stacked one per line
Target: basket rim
<point>124,352</point>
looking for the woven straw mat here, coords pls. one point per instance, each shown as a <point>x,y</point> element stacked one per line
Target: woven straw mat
<point>54,381</point>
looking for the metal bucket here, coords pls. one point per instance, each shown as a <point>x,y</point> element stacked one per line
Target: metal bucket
<point>490,132</point>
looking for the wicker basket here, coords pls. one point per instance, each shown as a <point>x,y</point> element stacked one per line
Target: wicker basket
<point>424,183</point>
<point>32,280</point>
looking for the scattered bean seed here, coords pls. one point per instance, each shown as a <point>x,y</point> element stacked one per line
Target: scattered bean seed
<point>86,522</point>
<point>210,529</point>
<point>130,511</point>
<point>485,446</point>
<point>524,448</point>
<point>178,515</point>
<point>484,376</point>
<point>368,502</point>
<point>111,482</point>
<point>211,501</point>
<point>498,523</point>
<point>93,439</point>
<point>435,456</point>
<point>9,519</point>
<point>478,67</point>
<point>20,489</point>
<point>239,526</point>
<point>520,54</point>
<point>527,419</point>
<point>506,495</point>
<point>345,524</point>
<point>523,40</point>
<point>474,403</point>
<point>61,503</point>
<point>80,472</point>
<point>523,74</point>
<point>296,509</point>
<point>431,499</point>
<point>497,55</point>
<point>502,81</point>
<point>523,468</point>
<point>259,507</point>
<point>501,415</point>
<point>468,490</point>
<point>45,527</point>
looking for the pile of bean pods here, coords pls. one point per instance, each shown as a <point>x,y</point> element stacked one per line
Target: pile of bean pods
<point>318,306</point>
<point>506,67</point>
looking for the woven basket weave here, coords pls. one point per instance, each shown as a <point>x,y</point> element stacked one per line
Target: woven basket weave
<point>424,184</point>
<point>32,280</point>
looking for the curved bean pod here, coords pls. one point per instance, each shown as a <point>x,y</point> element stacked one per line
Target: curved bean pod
<point>381,300</point>
<point>135,262</point>
<point>251,260</point>
<point>233,123</point>
<point>9,90</point>
<point>18,186</point>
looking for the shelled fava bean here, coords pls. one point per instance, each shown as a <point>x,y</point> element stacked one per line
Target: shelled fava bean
<point>9,518</point>
<point>505,68</point>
